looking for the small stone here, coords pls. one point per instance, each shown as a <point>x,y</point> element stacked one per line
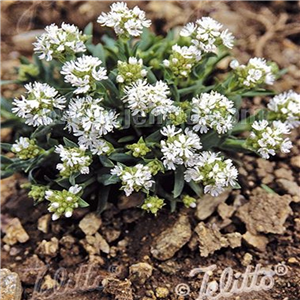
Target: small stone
<point>102,243</point>
<point>90,224</point>
<point>111,234</point>
<point>170,267</point>
<point>211,240</point>
<point>293,261</point>
<point>172,239</point>
<point>94,244</point>
<point>297,224</point>
<point>48,248</point>
<point>43,223</point>
<point>120,289</point>
<point>290,187</point>
<point>48,283</point>
<point>247,259</point>
<point>266,165</point>
<point>161,292</point>
<point>67,241</point>
<point>208,204</point>
<point>15,233</point>
<point>265,212</point>
<point>225,211</point>
<point>284,173</point>
<point>140,272</point>
<point>295,161</point>
<point>269,178</point>
<point>258,242</point>
<point>10,285</point>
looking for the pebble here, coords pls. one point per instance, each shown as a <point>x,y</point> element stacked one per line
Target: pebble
<point>15,233</point>
<point>258,242</point>
<point>43,223</point>
<point>48,248</point>
<point>208,204</point>
<point>90,224</point>
<point>140,272</point>
<point>172,239</point>
<point>295,161</point>
<point>10,285</point>
<point>247,259</point>
<point>225,211</point>
<point>284,173</point>
<point>290,187</point>
<point>161,292</point>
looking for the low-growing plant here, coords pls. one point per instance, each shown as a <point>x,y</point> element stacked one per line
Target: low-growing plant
<point>139,113</point>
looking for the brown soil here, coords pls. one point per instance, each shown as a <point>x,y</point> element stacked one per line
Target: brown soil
<point>268,29</point>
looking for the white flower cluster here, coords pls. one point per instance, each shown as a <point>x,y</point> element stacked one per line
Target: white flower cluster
<point>60,42</point>
<point>286,108</point>
<point>213,172</point>
<point>131,71</point>
<point>73,160</point>
<point>207,34</point>
<point>143,98</point>
<point>38,107</point>
<point>63,202</point>
<point>89,122</point>
<point>134,178</point>
<point>267,138</point>
<point>212,110</point>
<point>179,148</point>
<point>126,22</point>
<point>83,73</point>
<point>182,60</point>
<point>26,148</point>
<point>255,73</point>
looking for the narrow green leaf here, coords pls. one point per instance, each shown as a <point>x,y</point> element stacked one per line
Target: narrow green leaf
<point>5,160</point>
<point>70,143</point>
<point>106,162</point>
<point>178,182</point>
<point>82,203</point>
<point>103,199</point>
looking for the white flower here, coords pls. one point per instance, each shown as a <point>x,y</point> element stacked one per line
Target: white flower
<point>212,110</point>
<point>255,73</point>
<point>126,22</point>
<point>214,172</point>
<point>131,71</point>
<point>26,148</point>
<point>180,148</point>
<point>38,108</point>
<point>134,178</point>
<point>182,60</point>
<point>267,138</point>
<point>286,108</point>
<point>143,98</point>
<point>59,42</point>
<point>73,160</point>
<point>63,202</point>
<point>207,34</point>
<point>83,73</point>
<point>89,121</point>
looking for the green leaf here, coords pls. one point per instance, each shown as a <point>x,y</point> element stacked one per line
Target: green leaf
<point>126,139</point>
<point>82,203</point>
<point>259,93</point>
<point>7,173</point>
<point>5,82</point>
<point>121,157</point>
<point>5,160</point>
<point>69,143</point>
<point>267,189</point>
<point>103,199</point>
<point>236,186</point>
<point>154,137</point>
<point>88,30</point>
<point>108,179</point>
<point>196,188</point>
<point>5,146</point>
<point>106,162</point>
<point>178,182</point>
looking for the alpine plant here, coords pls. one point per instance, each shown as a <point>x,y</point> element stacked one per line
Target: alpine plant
<point>140,113</point>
